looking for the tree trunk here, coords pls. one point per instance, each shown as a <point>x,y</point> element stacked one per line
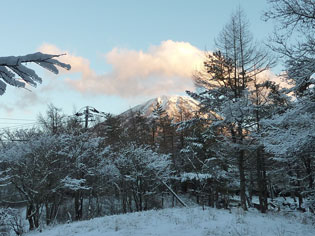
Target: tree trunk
<point>124,202</point>
<point>29,212</point>
<point>78,205</point>
<point>261,181</point>
<point>32,215</point>
<point>52,210</point>
<point>242,180</point>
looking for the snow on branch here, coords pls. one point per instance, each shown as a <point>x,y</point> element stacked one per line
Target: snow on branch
<point>12,66</point>
<point>74,184</point>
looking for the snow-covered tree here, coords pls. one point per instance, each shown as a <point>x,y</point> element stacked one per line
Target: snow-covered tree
<point>46,168</point>
<point>294,40</point>
<point>54,121</point>
<point>161,125</point>
<point>290,138</point>
<point>13,70</point>
<point>141,171</point>
<point>203,169</point>
<point>224,91</point>
<point>289,135</point>
<point>11,220</point>
<point>82,154</point>
<point>31,166</point>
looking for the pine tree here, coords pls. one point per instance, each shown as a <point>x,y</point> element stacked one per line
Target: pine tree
<point>223,89</point>
<point>163,128</point>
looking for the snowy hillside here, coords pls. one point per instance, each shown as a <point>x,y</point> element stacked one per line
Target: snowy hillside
<point>175,106</point>
<point>188,222</point>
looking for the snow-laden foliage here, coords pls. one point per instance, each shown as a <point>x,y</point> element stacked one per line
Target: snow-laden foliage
<point>290,138</point>
<point>294,40</point>
<point>5,216</point>
<point>230,95</point>
<point>289,134</point>
<point>293,132</point>
<point>74,184</point>
<point>301,73</point>
<point>11,220</point>
<point>12,66</point>
<point>46,167</point>
<point>194,176</point>
<point>141,172</point>
<point>137,162</point>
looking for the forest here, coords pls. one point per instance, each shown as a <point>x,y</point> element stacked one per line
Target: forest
<point>250,143</point>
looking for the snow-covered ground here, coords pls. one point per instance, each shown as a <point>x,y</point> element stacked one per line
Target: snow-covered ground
<point>189,222</point>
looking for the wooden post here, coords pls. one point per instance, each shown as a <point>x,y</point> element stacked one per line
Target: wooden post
<point>174,194</point>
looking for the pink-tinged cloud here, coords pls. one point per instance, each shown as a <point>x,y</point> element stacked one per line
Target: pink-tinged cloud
<point>269,75</point>
<point>78,64</point>
<point>163,69</point>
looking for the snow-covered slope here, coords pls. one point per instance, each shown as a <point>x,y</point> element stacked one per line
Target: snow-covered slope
<point>175,106</point>
<point>188,222</point>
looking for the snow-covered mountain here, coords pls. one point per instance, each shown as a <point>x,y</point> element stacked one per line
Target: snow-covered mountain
<point>177,107</point>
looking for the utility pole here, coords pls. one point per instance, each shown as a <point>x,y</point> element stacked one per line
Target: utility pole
<point>89,114</point>
<point>86,117</point>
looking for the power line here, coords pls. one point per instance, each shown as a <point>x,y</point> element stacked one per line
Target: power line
<point>14,123</point>
<point>16,119</point>
<point>19,126</point>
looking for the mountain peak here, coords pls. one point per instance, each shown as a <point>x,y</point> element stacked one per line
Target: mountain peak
<point>177,107</point>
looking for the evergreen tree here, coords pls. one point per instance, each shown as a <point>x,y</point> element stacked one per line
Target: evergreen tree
<point>224,87</point>
<point>163,127</point>
<point>138,128</point>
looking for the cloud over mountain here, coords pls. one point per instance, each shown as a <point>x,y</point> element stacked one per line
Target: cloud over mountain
<point>163,69</point>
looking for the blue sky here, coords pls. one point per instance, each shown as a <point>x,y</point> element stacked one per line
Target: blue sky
<point>121,51</point>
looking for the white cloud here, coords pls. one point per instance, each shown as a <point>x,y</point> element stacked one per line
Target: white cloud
<point>269,75</point>
<point>163,69</point>
<point>78,64</point>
